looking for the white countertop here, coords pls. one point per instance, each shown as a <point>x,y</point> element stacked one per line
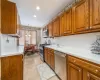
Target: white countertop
<point>81,53</point>
<point>19,50</point>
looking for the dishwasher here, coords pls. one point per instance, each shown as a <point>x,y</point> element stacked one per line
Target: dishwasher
<point>60,65</point>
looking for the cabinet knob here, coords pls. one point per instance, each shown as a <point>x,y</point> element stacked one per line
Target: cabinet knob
<point>90,27</point>
<point>96,19</point>
<point>96,70</point>
<point>79,70</point>
<point>88,75</point>
<point>74,61</point>
<point>87,27</point>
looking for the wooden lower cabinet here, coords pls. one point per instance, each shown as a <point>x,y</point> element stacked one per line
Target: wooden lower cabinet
<point>89,76</point>
<point>52,61</point>
<point>49,57</point>
<point>79,69</point>
<point>74,72</point>
<point>12,68</point>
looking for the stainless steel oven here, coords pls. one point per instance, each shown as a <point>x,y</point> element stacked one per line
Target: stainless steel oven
<point>60,65</point>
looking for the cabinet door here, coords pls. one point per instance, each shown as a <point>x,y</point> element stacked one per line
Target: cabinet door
<point>56,27</point>
<point>95,14</point>
<point>50,29</point>
<point>52,61</point>
<point>89,76</point>
<point>74,72</point>
<point>8,17</point>
<point>12,68</point>
<point>49,58</point>
<point>81,16</point>
<point>62,24</point>
<point>68,22</point>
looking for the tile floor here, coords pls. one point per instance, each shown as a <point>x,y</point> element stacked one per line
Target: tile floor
<point>30,68</point>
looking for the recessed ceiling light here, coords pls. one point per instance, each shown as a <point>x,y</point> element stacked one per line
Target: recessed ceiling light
<point>38,8</point>
<point>34,16</point>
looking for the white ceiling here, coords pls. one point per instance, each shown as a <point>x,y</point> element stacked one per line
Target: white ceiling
<point>48,9</point>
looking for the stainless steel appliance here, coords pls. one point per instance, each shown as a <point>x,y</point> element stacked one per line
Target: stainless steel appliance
<point>45,33</point>
<point>60,65</point>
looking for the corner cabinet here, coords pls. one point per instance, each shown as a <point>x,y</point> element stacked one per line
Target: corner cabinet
<point>95,15</point>
<point>81,16</point>
<point>12,68</point>
<point>8,17</point>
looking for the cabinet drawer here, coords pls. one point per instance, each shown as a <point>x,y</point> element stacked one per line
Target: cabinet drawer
<point>85,64</point>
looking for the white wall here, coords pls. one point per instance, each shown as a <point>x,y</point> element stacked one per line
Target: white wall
<point>38,37</point>
<point>8,47</point>
<point>83,41</point>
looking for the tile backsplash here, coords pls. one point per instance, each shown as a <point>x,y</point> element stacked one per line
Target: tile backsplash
<point>83,41</point>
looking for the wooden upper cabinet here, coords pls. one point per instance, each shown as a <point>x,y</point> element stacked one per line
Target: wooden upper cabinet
<point>50,28</point>
<point>56,27</point>
<point>89,76</point>
<point>81,16</point>
<point>74,72</point>
<point>68,22</point>
<point>8,17</point>
<point>95,14</point>
<point>62,24</point>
